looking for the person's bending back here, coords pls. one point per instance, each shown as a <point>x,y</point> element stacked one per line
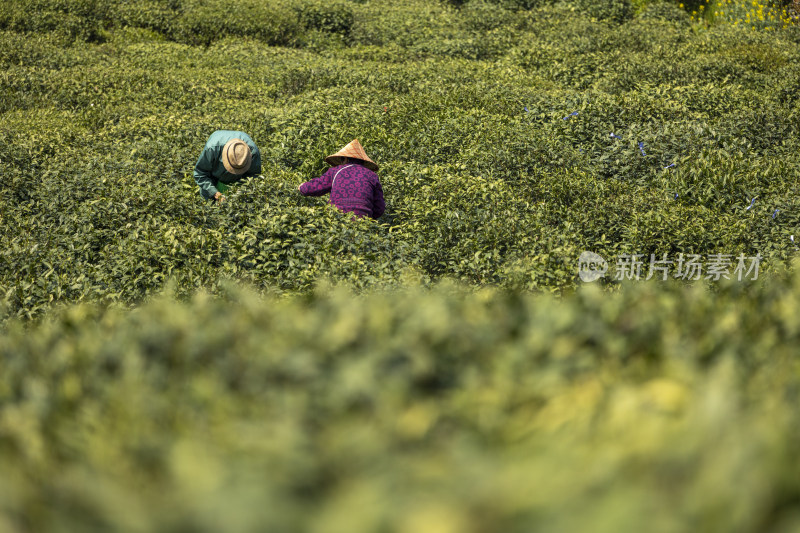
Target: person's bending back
<point>227,157</point>
<point>352,182</point>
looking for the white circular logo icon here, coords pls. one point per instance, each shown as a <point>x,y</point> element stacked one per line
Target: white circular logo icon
<point>591,267</point>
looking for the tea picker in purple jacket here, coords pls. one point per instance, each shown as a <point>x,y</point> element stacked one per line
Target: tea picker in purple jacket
<point>352,182</point>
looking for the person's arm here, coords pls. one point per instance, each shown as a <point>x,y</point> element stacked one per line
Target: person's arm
<point>255,165</point>
<point>317,186</point>
<point>202,173</point>
<point>378,203</point>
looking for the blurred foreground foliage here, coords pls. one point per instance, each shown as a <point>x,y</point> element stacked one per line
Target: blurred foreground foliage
<point>658,408</point>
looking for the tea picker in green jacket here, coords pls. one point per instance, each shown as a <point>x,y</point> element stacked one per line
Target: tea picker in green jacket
<point>227,157</point>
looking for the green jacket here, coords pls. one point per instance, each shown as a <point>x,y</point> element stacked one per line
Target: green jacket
<point>209,169</point>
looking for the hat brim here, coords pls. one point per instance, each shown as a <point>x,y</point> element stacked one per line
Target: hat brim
<point>235,171</point>
<point>336,160</point>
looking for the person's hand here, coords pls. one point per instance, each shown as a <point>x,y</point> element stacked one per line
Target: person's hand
<point>218,197</point>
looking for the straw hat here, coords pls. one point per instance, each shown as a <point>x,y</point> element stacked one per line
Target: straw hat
<point>236,156</point>
<point>354,150</point>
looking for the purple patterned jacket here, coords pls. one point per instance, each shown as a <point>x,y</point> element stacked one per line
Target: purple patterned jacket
<point>356,189</point>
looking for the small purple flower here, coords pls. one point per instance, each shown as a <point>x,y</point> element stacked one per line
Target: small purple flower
<point>573,114</point>
<point>676,196</point>
<point>526,109</point>
<point>641,148</point>
<point>775,214</point>
<point>669,166</point>
<point>752,203</point>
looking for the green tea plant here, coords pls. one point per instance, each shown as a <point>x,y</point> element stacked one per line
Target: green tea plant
<point>493,126</point>
<point>269,363</point>
<point>336,411</point>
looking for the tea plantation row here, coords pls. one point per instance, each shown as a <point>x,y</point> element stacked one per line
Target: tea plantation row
<point>656,409</point>
<point>154,392</point>
<point>492,127</point>
<point>276,22</point>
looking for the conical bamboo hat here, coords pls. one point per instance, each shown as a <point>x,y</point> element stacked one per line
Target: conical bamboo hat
<point>354,150</point>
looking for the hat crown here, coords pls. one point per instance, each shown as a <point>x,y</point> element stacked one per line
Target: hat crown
<point>236,156</point>
<point>354,150</point>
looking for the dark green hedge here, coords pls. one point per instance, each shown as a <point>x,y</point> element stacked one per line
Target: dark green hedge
<point>82,20</point>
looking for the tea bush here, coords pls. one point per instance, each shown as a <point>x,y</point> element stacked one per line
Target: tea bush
<point>613,10</point>
<point>335,412</point>
<point>665,11</point>
<point>204,21</point>
<point>493,128</point>
<point>334,17</point>
<point>168,364</point>
<point>82,20</point>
